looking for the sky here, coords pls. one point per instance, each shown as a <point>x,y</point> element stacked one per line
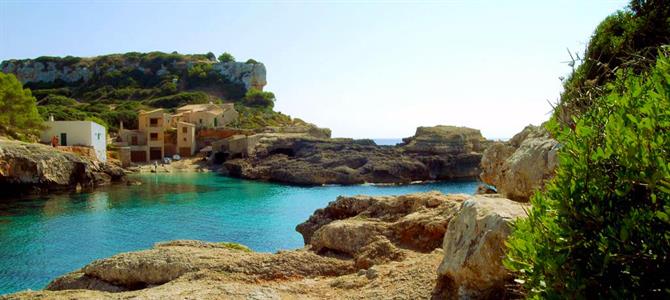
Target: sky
<point>364,69</point>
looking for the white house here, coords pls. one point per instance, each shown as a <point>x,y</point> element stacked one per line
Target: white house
<point>77,133</point>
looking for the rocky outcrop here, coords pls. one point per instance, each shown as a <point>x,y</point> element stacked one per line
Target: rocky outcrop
<point>26,167</point>
<point>416,246</point>
<point>474,246</point>
<point>439,154</point>
<point>250,75</point>
<point>519,167</point>
<point>445,140</point>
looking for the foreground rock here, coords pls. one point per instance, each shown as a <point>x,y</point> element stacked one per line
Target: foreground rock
<point>435,153</point>
<point>519,167</point>
<point>416,246</point>
<point>474,246</point>
<point>26,167</point>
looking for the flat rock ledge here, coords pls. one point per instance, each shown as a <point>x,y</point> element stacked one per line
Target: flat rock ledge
<point>416,246</point>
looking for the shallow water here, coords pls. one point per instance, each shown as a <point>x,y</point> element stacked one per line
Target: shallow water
<point>42,238</point>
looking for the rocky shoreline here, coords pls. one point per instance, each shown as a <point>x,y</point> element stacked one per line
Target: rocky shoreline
<point>37,168</point>
<point>433,153</point>
<point>416,246</point>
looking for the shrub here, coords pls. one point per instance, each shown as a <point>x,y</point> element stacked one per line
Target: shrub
<point>602,227</point>
<point>179,100</point>
<point>627,39</point>
<point>235,246</point>
<point>252,61</point>
<point>258,98</point>
<point>19,117</point>
<point>54,99</point>
<point>226,57</point>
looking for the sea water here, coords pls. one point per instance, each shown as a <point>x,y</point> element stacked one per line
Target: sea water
<point>44,237</point>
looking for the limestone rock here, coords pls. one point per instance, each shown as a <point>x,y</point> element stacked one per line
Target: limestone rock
<point>474,246</point>
<point>373,229</point>
<point>438,153</point>
<point>521,166</point>
<point>36,167</point>
<point>443,139</point>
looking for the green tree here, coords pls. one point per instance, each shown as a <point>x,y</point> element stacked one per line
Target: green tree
<point>18,112</point>
<point>601,229</point>
<point>226,57</point>
<point>258,98</point>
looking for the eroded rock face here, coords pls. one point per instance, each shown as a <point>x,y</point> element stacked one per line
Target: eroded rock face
<point>445,140</point>
<point>433,154</point>
<point>36,167</point>
<point>33,71</point>
<point>521,166</point>
<point>474,246</point>
<point>379,229</point>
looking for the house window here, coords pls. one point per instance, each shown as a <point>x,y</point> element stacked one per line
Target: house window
<point>216,122</point>
<point>200,121</point>
<point>133,140</point>
<point>184,129</point>
<point>154,136</point>
<point>153,122</point>
<point>184,139</point>
<point>98,135</point>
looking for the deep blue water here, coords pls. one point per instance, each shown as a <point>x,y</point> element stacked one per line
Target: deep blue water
<point>42,238</point>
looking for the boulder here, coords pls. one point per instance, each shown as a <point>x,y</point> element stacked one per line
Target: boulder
<point>36,167</point>
<point>474,246</point>
<point>521,166</point>
<point>374,229</point>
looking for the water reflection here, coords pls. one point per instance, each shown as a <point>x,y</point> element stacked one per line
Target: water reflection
<point>43,237</point>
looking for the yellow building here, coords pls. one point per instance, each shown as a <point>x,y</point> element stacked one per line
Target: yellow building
<point>207,115</point>
<point>155,136</point>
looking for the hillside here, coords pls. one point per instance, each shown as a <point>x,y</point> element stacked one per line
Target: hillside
<point>113,88</point>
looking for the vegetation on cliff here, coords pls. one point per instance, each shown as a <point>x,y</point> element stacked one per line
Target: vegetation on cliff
<point>112,88</point>
<point>18,114</point>
<point>600,228</point>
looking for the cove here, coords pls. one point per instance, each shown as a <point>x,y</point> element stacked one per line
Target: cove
<point>44,237</point>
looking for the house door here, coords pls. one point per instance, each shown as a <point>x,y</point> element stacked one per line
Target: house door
<point>63,139</point>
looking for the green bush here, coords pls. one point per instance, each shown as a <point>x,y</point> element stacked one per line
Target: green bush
<point>19,117</point>
<point>601,229</point>
<point>180,99</point>
<point>252,61</point>
<point>629,39</point>
<point>54,99</point>
<point>226,57</point>
<point>258,98</point>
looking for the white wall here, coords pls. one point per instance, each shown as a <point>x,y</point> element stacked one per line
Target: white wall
<point>83,133</point>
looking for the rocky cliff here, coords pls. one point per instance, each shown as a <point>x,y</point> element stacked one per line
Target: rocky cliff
<point>26,167</point>
<point>77,70</point>
<point>519,167</point>
<point>416,246</point>
<point>438,153</point>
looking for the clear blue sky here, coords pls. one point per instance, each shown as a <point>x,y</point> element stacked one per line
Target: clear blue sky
<point>371,69</point>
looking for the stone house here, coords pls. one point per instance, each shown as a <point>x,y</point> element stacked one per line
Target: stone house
<point>77,133</point>
<point>206,115</point>
<point>160,134</point>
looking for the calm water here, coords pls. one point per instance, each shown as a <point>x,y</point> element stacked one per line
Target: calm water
<point>42,238</point>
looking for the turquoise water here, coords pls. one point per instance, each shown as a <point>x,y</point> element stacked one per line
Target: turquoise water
<point>42,238</point>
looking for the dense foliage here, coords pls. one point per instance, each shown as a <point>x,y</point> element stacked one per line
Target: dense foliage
<point>226,57</point>
<point>602,227</point>
<point>18,112</point>
<point>258,98</point>
<point>627,39</point>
